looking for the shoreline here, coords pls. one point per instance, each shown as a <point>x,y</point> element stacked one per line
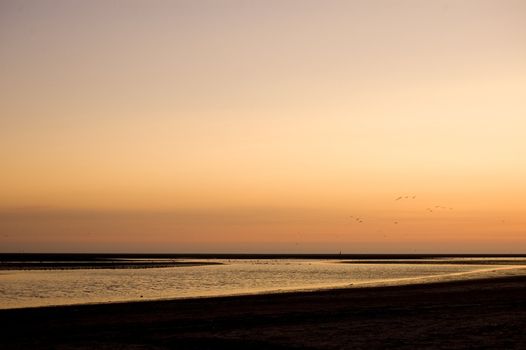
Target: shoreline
<point>459,314</point>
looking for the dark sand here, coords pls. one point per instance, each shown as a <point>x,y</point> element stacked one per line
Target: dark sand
<point>489,313</point>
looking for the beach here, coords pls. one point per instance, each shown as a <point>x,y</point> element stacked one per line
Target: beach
<point>475,313</point>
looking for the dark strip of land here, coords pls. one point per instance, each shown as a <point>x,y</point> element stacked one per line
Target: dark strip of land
<point>48,261</point>
<point>110,264</point>
<point>485,261</point>
<point>106,256</point>
<point>489,313</point>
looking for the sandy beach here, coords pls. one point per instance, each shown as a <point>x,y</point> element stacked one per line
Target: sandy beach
<point>487,313</point>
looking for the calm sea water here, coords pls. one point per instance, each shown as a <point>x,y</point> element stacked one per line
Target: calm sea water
<point>61,287</point>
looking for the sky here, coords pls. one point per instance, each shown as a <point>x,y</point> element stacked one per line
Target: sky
<point>263,126</point>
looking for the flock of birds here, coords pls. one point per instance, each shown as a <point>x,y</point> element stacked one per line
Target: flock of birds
<point>405,197</point>
<point>359,220</point>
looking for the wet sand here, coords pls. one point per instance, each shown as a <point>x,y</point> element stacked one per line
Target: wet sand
<point>483,313</point>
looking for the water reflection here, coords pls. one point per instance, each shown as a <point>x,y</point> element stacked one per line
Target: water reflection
<point>58,287</point>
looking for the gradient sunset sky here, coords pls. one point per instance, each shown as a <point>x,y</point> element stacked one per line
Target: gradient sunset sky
<point>263,126</point>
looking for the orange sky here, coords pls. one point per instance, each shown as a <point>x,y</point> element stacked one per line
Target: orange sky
<point>261,126</point>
